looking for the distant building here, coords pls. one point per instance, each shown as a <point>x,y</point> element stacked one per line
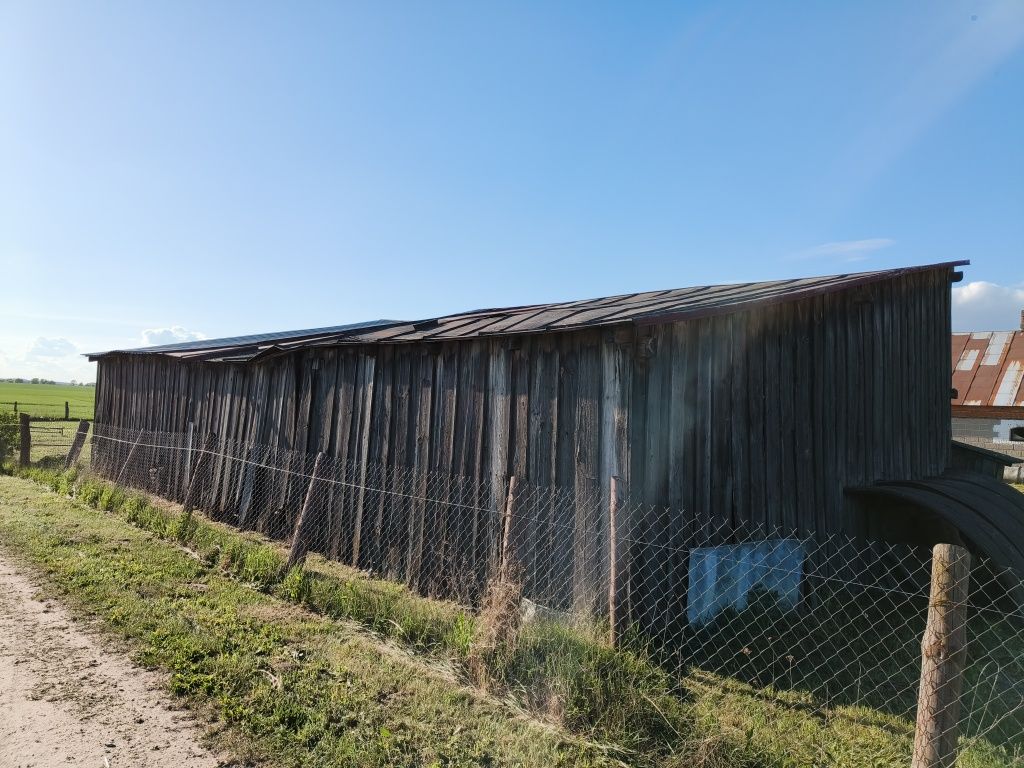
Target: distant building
<point>988,390</point>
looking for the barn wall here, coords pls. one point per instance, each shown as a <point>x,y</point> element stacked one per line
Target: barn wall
<point>757,419</point>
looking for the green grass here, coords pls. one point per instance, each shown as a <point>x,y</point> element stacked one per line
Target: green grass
<point>646,716</point>
<point>51,441</point>
<point>47,400</point>
<point>286,687</point>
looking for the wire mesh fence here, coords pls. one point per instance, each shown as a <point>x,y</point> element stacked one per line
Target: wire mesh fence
<point>857,645</point>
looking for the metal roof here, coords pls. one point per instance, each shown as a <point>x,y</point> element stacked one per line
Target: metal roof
<point>988,369</point>
<point>988,512</point>
<point>646,308</point>
<point>242,345</point>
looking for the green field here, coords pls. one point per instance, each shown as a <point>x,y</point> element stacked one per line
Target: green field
<point>47,400</point>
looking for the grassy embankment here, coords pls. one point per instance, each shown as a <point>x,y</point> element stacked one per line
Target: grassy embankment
<point>283,693</point>
<point>284,686</point>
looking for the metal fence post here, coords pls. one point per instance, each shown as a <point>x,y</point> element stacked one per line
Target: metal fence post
<point>943,649</point>
<point>25,454</point>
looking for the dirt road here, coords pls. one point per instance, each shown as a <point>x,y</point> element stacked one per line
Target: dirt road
<point>65,700</point>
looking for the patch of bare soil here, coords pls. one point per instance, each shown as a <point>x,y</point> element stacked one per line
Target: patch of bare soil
<point>65,700</point>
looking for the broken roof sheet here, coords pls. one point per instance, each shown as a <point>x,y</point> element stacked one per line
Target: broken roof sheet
<point>648,308</point>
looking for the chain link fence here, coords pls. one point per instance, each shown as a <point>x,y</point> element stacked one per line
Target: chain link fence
<point>862,652</point>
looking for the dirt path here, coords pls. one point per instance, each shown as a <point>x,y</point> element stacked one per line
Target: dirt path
<point>67,701</point>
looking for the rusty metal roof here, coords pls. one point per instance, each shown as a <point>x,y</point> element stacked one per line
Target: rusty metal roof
<point>988,368</point>
<point>647,308</point>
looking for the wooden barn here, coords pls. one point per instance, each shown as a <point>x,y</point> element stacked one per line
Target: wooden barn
<point>804,406</point>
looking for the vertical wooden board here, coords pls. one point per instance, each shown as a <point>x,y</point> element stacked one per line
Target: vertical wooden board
<point>474,462</point>
<point>436,552</point>
<point>945,330</point>
<point>590,526</point>
<point>885,407</point>
<point>821,416</point>
<point>226,378</point>
<point>543,431</point>
<point>655,434</point>
<point>562,529</point>
<point>322,411</point>
<point>651,558</point>
<point>379,454</point>
<point>680,418</point>
<point>423,371</point>
<point>361,451</point>
<point>616,409</point>
<point>740,426</point>
<point>520,360</point>
<point>401,418</point>
<point>788,342</point>
<point>446,401</point>
<point>309,371</point>
<point>855,399</point>
<point>380,409</point>
<point>292,486</point>
<point>345,407</point>
<point>804,416</point>
<point>342,438</point>
<point>398,505</point>
<point>721,439</point>
<point>840,436</point>
<point>464,429</point>
<point>775,443</point>
<point>499,420</point>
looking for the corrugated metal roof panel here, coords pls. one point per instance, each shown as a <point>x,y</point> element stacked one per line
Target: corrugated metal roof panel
<point>652,307</point>
<point>237,343</point>
<point>987,511</point>
<point>988,368</point>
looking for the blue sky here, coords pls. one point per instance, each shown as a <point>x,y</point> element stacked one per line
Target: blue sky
<point>175,169</point>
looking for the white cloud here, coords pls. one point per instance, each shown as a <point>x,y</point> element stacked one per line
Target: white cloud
<point>173,335</point>
<point>847,250</point>
<point>982,306</point>
<point>49,348</point>
<point>46,358</point>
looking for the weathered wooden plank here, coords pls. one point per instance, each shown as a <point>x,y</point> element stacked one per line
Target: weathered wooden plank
<point>367,370</point>
<point>589,525</point>
<point>616,408</point>
<point>422,406</point>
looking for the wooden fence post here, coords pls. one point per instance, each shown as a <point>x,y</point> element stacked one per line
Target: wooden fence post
<point>615,617</point>
<point>190,494</point>
<point>67,411</point>
<point>77,443</point>
<point>506,532</point>
<point>943,648</point>
<point>300,545</point>
<point>25,453</point>
<point>188,456</point>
